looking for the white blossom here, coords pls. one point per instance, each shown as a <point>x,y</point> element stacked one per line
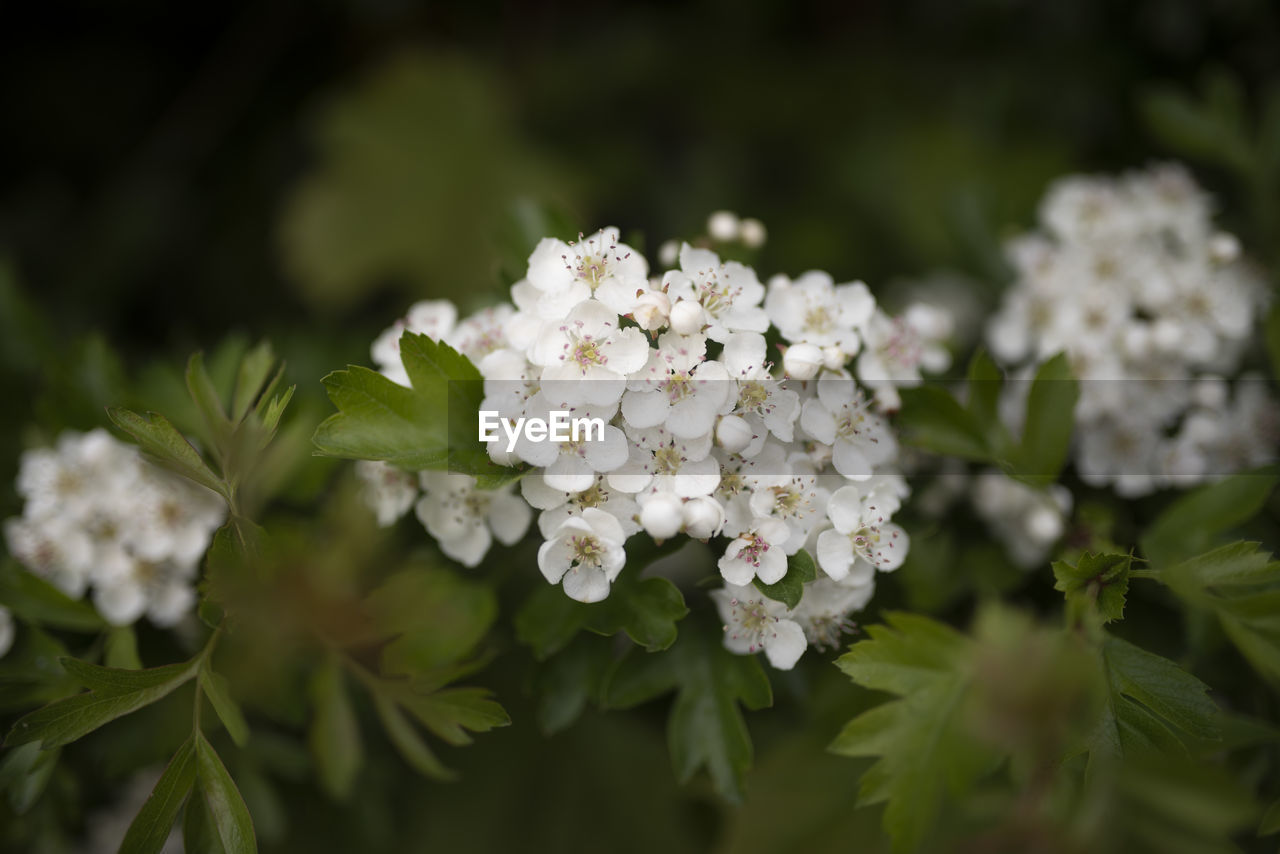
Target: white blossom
<point>585,555</point>
<point>754,623</point>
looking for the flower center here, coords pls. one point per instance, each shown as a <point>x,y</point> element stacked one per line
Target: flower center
<point>754,548</point>
<point>587,550</point>
<point>750,621</point>
<point>667,460</point>
<point>752,395</point>
<point>819,320</point>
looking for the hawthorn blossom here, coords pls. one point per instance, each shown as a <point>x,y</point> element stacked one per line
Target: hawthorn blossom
<point>464,520</point>
<point>841,417</point>
<point>713,297</point>
<point>598,266</point>
<point>585,555</point>
<point>586,357</point>
<point>757,553</point>
<point>386,490</point>
<point>862,540</point>
<point>754,623</point>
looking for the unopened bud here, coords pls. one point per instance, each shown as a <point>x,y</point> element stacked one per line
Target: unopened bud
<point>802,361</point>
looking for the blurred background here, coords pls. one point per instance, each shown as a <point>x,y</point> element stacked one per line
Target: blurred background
<point>172,173</point>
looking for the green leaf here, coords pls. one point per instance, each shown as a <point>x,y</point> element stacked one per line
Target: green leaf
<point>115,693</point>
<point>380,420</point>
<point>408,742</point>
<point>930,418</point>
<point>37,601</point>
<point>376,208</point>
<point>705,728</point>
<point>25,773</point>
<point>214,686</point>
<point>1271,332</point>
<point>1209,131</point>
<point>122,649</point>
<point>1270,821</point>
<point>451,712</point>
<point>159,438</point>
<point>334,736</point>
<point>647,609</point>
<point>221,822</point>
<point>923,745</point>
<point>1095,579</point>
<point>800,571</point>
<point>254,370</point>
<point>1191,524</point>
<point>1241,585</point>
<point>436,617</point>
<point>985,379</point>
<point>151,827</point>
<point>1151,704</point>
<point>568,680</point>
<point>202,391</point>
<point>1046,432</point>
<point>429,426</point>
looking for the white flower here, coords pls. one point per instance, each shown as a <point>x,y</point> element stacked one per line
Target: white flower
<point>464,520</point>
<point>898,347</point>
<point>729,294</point>
<point>703,517</point>
<point>162,590</point>
<point>754,623</point>
<point>767,406</point>
<point>757,553</point>
<point>585,555</point>
<point>863,540</point>
<point>572,466</point>
<point>796,499</point>
<point>677,388</point>
<point>386,490</point>
<point>814,310</point>
<point>823,612</point>
<point>176,519</point>
<point>54,548</point>
<point>661,462</point>
<point>586,357</point>
<point>599,266</point>
<point>841,416</point>
<point>723,226</point>
<point>1028,521</point>
<point>752,233</point>
<point>85,471</point>
<point>558,505</point>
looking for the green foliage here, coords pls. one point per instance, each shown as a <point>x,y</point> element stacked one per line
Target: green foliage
<point>1271,336</point>
<point>217,819</point>
<point>932,419</point>
<point>334,736</point>
<point>705,728</point>
<point>383,207</point>
<point>1096,581</point>
<point>428,426</point>
<point>215,688</point>
<point>1046,431</point>
<point>800,570</point>
<point>1194,521</point>
<point>434,617</point>
<point>113,693</point>
<point>1152,705</point>
<point>24,774</point>
<point>570,679</point>
<point>924,748</point>
<point>647,609</point>
<point>151,826</point>
<point>37,601</point>
<point>1240,585</point>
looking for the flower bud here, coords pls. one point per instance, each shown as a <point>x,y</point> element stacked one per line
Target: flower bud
<point>1043,525</point>
<point>734,433</point>
<point>652,310</point>
<point>833,358</point>
<point>802,361</point>
<point>703,517</point>
<point>687,317</point>
<point>661,516</point>
<point>723,226</point>
<point>752,234</point>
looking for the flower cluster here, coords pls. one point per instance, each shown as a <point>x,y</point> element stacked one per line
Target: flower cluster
<point>1153,307</point>
<point>702,433</point>
<point>99,516</point>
